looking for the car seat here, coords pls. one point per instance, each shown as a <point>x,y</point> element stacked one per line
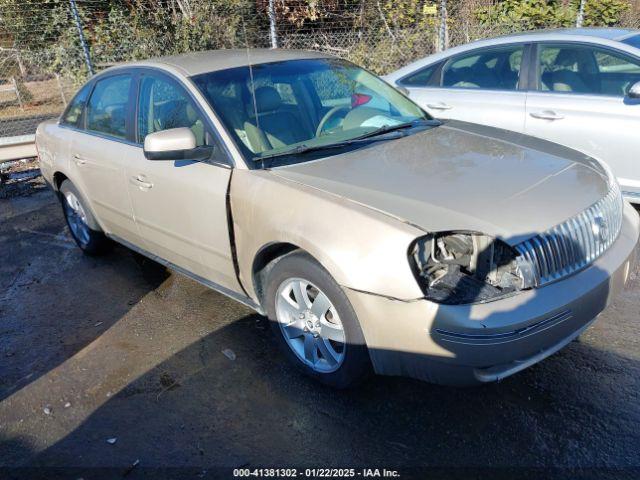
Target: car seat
<point>273,127</point>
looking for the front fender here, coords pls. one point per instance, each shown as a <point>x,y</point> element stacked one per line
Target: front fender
<point>361,248</point>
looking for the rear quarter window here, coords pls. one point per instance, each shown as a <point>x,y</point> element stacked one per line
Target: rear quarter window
<point>421,78</point>
<point>71,116</point>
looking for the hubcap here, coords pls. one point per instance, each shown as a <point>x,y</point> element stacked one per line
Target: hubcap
<point>310,325</point>
<point>77,218</point>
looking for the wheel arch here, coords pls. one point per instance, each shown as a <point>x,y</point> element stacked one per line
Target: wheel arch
<point>264,259</point>
<point>58,178</point>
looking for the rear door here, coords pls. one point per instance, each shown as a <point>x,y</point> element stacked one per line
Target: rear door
<point>580,102</point>
<point>180,206</point>
<point>480,86</point>
<point>99,150</point>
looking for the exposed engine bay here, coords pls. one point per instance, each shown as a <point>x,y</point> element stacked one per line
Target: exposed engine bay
<point>462,268</point>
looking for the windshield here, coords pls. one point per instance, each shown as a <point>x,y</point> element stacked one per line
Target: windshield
<point>300,105</point>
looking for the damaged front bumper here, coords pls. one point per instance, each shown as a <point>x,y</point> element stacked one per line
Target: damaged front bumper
<point>472,344</point>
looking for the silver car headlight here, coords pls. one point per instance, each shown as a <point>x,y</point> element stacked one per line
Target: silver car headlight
<point>456,268</point>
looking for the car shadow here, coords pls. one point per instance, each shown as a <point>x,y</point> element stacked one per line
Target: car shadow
<point>55,300</point>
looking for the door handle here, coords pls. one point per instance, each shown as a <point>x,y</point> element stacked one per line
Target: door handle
<point>547,115</point>
<point>79,159</point>
<point>439,106</point>
<point>141,182</point>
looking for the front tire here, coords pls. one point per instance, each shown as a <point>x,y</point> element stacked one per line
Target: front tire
<point>82,225</point>
<point>314,323</point>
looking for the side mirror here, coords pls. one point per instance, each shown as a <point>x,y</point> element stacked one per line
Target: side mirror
<point>634,91</point>
<point>174,144</point>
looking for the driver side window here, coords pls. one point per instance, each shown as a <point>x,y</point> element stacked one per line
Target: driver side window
<point>164,105</point>
<point>582,69</point>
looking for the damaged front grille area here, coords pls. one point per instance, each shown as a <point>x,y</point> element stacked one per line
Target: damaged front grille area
<point>459,268</point>
<point>574,244</point>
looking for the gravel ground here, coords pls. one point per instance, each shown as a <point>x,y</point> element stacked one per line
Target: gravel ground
<point>96,349</point>
<point>20,178</point>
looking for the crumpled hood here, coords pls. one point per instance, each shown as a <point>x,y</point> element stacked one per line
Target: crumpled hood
<point>462,176</point>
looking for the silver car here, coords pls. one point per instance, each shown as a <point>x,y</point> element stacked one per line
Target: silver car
<point>575,87</point>
<point>372,236</point>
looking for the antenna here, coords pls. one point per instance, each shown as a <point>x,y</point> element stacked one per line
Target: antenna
<point>253,86</point>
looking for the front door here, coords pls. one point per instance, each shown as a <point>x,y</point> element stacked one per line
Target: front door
<point>580,102</point>
<point>180,206</point>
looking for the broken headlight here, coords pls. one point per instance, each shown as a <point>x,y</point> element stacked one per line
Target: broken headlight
<point>461,268</point>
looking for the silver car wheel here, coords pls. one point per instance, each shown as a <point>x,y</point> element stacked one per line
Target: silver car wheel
<point>310,325</point>
<point>77,218</point>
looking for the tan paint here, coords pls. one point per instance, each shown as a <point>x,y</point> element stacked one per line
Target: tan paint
<point>360,247</point>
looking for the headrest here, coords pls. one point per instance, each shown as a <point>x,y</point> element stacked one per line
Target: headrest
<point>567,58</point>
<point>267,99</point>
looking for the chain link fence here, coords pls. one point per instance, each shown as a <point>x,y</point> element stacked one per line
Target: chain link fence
<point>49,47</point>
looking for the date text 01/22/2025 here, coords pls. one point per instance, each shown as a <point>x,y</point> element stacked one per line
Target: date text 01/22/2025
<point>316,473</point>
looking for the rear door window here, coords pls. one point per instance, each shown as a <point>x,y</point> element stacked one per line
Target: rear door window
<point>108,107</point>
<point>489,69</point>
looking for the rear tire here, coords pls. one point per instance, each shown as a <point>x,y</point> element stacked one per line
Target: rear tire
<point>83,226</point>
<point>313,322</point>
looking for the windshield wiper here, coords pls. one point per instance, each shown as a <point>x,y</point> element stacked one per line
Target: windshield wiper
<point>392,128</point>
<point>304,149</point>
<point>300,149</point>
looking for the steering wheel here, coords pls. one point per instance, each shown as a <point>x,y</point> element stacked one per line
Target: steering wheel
<point>327,116</point>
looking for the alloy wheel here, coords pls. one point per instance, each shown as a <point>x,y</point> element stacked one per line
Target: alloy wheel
<point>77,218</point>
<point>310,325</point>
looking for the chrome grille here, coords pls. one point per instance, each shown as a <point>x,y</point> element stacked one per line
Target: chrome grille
<point>576,243</point>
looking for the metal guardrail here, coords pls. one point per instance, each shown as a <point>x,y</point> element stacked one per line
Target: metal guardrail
<point>22,146</point>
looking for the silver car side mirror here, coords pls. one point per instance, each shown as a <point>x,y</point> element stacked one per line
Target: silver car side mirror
<point>174,144</point>
<point>634,91</point>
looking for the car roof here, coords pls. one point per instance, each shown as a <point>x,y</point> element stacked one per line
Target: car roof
<point>606,36</point>
<point>214,60</point>
<point>595,32</point>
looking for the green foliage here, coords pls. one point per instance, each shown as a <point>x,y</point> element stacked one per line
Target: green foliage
<point>411,14</point>
<point>604,13</point>
<point>513,15</point>
<point>211,25</point>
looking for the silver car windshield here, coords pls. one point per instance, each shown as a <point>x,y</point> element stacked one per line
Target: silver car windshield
<point>296,106</point>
